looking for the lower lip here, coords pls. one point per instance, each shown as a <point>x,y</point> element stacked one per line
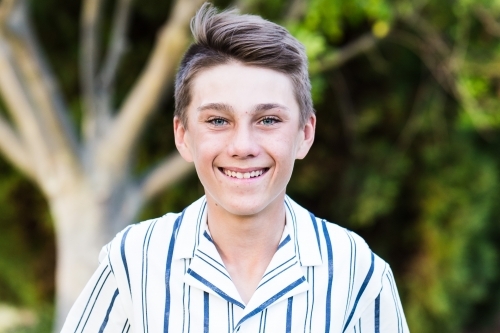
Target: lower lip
<point>244,179</point>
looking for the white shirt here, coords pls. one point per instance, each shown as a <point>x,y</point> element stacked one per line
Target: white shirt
<point>165,275</point>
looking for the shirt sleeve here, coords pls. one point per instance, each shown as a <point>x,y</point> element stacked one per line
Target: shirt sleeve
<point>385,313</point>
<point>98,308</point>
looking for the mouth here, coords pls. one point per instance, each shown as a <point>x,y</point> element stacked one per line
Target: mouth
<point>244,175</point>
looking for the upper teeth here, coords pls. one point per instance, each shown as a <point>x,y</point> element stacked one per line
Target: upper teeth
<point>241,175</point>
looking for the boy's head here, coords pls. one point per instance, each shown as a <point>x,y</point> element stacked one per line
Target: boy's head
<point>244,90</point>
<point>225,37</point>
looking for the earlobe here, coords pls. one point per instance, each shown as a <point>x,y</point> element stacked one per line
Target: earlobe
<point>307,137</point>
<point>181,140</point>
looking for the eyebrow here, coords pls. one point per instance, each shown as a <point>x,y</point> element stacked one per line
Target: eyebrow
<point>216,107</point>
<point>228,108</point>
<point>268,106</point>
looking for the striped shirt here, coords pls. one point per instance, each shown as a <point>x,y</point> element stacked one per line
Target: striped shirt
<point>165,275</point>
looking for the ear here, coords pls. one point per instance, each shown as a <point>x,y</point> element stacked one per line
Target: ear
<point>182,141</point>
<point>307,137</point>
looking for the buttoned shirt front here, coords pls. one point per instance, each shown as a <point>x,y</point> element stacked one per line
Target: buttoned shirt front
<point>165,275</point>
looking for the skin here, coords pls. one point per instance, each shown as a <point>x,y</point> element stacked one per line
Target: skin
<point>244,119</point>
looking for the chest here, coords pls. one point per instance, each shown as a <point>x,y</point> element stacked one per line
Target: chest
<point>180,307</point>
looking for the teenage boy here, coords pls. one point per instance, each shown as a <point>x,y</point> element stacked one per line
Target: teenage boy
<point>245,257</point>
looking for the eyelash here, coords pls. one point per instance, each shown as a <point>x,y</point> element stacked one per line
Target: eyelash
<point>274,119</point>
<point>213,121</point>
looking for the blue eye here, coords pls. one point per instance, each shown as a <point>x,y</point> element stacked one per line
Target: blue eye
<point>269,121</point>
<point>217,121</point>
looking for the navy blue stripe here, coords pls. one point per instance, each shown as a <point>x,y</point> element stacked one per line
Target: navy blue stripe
<point>90,297</point>
<point>206,312</point>
<point>377,314</point>
<point>315,225</point>
<point>289,315</point>
<point>307,301</point>
<point>330,278</point>
<point>351,274</point>
<point>198,224</point>
<point>394,297</point>
<point>232,316</point>
<point>294,221</point>
<point>214,288</point>
<point>144,276</point>
<point>229,329</point>
<point>263,283</point>
<point>361,290</point>
<point>95,300</point>
<point>207,236</point>
<point>272,270</point>
<point>214,267</point>
<point>184,300</point>
<point>265,321</point>
<point>312,303</point>
<point>106,318</point>
<point>124,259</point>
<point>125,325</point>
<point>168,271</point>
<point>271,300</point>
<point>209,257</point>
<point>189,309</point>
<point>283,243</point>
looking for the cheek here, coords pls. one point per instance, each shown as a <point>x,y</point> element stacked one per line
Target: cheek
<point>207,148</point>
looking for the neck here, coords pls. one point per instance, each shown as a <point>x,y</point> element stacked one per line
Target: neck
<point>250,238</point>
<point>246,244</point>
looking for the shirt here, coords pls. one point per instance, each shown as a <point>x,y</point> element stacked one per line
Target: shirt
<point>165,275</point>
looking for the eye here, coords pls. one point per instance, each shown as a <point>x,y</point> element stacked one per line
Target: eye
<point>217,121</point>
<point>267,121</point>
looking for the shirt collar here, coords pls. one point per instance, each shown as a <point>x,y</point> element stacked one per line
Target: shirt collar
<point>301,224</point>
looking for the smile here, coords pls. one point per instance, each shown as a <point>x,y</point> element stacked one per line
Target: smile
<point>243,175</point>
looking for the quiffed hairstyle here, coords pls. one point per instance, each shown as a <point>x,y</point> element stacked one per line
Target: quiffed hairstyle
<point>223,37</point>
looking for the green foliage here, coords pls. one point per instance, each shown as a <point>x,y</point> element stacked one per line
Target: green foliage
<point>26,243</point>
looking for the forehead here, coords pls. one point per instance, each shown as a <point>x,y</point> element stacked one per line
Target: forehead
<point>242,87</point>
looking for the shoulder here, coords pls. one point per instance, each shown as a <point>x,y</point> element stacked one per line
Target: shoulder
<point>335,243</point>
<point>349,270</point>
<point>131,238</point>
<point>347,250</point>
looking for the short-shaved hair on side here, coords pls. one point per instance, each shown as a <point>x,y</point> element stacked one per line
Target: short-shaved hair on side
<point>225,37</point>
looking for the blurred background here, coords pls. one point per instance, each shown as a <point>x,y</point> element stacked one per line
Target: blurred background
<point>407,150</point>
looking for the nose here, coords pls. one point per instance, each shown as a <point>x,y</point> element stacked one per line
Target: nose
<point>243,143</point>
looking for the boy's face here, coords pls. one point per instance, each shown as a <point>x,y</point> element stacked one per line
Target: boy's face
<point>243,134</point>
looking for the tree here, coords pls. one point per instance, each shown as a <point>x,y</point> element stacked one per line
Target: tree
<point>86,179</point>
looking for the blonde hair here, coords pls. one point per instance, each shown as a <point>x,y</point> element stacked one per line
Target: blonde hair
<point>222,37</point>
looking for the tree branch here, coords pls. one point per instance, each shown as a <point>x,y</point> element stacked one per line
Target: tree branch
<point>88,64</point>
<point>490,24</point>
<point>117,46</point>
<point>13,149</point>
<point>41,86</point>
<point>443,71</point>
<point>167,172</point>
<point>23,114</point>
<point>296,10</point>
<point>140,103</point>
<point>343,96</point>
<point>338,58</point>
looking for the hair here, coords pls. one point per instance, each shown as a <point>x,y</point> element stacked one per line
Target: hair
<point>224,37</point>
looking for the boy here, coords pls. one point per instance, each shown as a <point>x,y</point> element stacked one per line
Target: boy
<point>245,257</point>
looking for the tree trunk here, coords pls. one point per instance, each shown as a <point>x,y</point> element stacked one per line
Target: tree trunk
<point>82,229</point>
